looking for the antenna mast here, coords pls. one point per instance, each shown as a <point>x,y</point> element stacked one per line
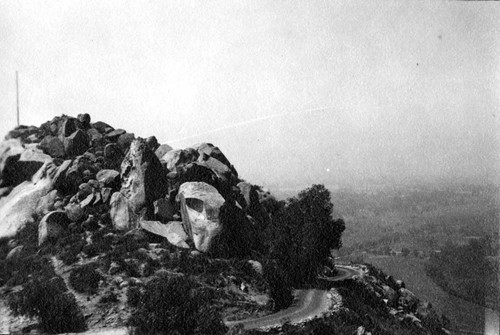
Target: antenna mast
<point>17,97</point>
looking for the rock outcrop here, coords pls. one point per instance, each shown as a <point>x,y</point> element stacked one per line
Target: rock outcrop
<point>142,182</point>
<point>200,204</point>
<point>22,205</point>
<point>52,225</point>
<point>95,176</point>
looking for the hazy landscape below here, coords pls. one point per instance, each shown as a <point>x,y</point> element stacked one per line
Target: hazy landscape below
<point>383,220</point>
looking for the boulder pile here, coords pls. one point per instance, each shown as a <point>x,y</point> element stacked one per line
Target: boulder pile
<point>401,302</point>
<point>74,173</point>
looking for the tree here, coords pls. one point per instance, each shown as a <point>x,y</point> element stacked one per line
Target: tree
<point>279,287</point>
<point>303,232</point>
<point>405,251</point>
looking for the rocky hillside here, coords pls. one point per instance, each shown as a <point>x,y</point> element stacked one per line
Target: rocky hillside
<point>71,170</point>
<point>98,228</point>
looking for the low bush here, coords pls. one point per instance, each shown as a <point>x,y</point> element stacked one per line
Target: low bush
<point>47,300</point>
<point>133,296</point>
<point>69,247</point>
<point>85,279</point>
<point>175,305</point>
<point>18,272</point>
<point>109,297</point>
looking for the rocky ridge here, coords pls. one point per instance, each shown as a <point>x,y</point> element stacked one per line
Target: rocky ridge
<point>71,171</point>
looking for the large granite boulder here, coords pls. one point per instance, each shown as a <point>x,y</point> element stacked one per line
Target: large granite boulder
<point>76,143</point>
<point>23,202</point>
<point>179,157</point>
<point>108,178</point>
<point>200,204</point>
<point>68,126</point>
<point>51,226</point>
<point>209,150</point>
<point>19,162</point>
<point>124,141</point>
<point>201,163</point>
<point>143,181</point>
<point>162,150</point>
<point>53,146</point>
<point>121,217</point>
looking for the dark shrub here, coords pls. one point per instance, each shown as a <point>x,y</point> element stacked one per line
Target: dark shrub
<point>17,273</point>
<point>85,279</point>
<point>133,296</point>
<point>47,300</point>
<point>174,305</point>
<point>70,247</point>
<point>109,297</point>
<point>90,250</point>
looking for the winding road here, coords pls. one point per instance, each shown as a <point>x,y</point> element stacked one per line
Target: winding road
<point>308,304</point>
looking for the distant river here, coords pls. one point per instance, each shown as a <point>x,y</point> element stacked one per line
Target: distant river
<point>463,315</point>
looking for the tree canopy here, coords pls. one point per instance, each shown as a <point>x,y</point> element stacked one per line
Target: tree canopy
<point>303,232</point>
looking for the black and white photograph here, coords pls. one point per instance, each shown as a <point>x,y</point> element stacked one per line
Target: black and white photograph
<point>208,167</point>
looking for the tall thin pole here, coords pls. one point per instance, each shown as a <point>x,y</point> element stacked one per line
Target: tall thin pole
<point>17,97</point>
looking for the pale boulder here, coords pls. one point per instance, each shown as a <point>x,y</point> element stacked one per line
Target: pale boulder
<point>173,231</point>
<point>23,203</point>
<point>162,150</point>
<point>119,211</point>
<point>142,176</point>
<point>200,204</point>
<point>52,225</point>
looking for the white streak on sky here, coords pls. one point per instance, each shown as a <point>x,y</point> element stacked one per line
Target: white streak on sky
<point>247,122</point>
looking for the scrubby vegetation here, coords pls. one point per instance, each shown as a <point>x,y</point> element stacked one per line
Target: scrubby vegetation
<point>48,300</point>
<point>175,305</point>
<point>85,279</point>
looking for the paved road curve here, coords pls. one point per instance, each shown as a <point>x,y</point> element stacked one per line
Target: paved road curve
<point>308,304</point>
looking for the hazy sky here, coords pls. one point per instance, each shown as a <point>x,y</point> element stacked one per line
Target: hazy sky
<point>293,92</point>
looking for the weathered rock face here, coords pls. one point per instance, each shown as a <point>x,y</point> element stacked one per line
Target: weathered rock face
<point>200,204</point>
<point>176,158</point>
<point>23,203</point>
<point>52,225</point>
<point>76,143</point>
<point>142,176</point>
<point>162,150</point>
<point>18,163</point>
<point>108,177</point>
<point>143,181</point>
<point>52,146</point>
<point>206,150</point>
<point>120,213</point>
<point>203,163</point>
